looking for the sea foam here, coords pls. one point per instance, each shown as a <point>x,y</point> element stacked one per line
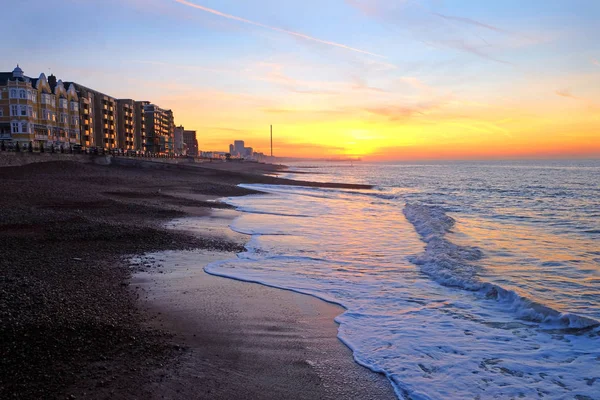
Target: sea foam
<point>455,266</point>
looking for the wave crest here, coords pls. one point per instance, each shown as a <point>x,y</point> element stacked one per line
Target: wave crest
<point>453,265</point>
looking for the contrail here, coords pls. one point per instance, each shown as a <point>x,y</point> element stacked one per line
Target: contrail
<point>273,28</point>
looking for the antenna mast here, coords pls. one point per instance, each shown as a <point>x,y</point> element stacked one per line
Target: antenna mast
<point>271,140</point>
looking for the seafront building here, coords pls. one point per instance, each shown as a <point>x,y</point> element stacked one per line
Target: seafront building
<point>178,140</point>
<point>48,111</point>
<point>38,110</point>
<point>160,129</point>
<point>191,143</point>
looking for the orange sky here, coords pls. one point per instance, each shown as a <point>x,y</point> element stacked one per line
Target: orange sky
<point>382,79</point>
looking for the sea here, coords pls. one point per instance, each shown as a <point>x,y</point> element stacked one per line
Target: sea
<point>460,280</point>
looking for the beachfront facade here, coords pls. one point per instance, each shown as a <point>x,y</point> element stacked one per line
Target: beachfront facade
<point>140,125</point>
<point>41,111</point>
<point>126,124</point>
<point>191,143</point>
<point>160,129</point>
<point>98,116</point>
<point>48,111</point>
<point>178,140</point>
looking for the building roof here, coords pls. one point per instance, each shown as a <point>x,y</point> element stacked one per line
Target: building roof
<point>6,76</point>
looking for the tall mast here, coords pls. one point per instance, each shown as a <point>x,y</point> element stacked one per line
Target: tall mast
<point>271,140</point>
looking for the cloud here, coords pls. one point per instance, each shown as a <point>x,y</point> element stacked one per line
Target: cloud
<point>565,93</point>
<point>361,84</point>
<point>273,28</point>
<point>397,113</point>
<point>470,21</point>
<point>462,45</point>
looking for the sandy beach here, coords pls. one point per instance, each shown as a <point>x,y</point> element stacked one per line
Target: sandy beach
<point>80,320</point>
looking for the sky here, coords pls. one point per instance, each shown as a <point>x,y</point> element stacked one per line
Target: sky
<point>376,79</point>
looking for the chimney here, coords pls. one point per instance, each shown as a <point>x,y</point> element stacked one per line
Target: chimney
<point>52,81</point>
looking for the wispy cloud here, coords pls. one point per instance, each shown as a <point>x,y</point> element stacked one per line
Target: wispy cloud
<point>565,93</point>
<point>398,113</point>
<point>470,21</point>
<point>274,28</point>
<point>361,84</point>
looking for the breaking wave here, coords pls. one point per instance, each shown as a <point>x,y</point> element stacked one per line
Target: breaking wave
<point>455,266</point>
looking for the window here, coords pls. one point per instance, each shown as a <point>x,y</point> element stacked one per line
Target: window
<point>74,120</point>
<point>45,114</point>
<point>14,110</point>
<point>74,106</point>
<point>13,93</point>
<point>29,111</point>
<point>64,119</point>
<point>24,127</point>
<point>53,116</point>
<point>23,112</point>
<point>34,114</point>
<point>63,103</point>
<point>22,94</point>
<point>32,96</point>
<point>15,127</point>
<point>47,99</point>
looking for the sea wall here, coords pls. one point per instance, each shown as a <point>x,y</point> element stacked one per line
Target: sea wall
<point>15,159</point>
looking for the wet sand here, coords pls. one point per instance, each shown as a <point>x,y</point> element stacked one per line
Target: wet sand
<point>244,340</point>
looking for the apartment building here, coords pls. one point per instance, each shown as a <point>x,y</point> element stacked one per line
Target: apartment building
<point>160,129</point>
<point>178,140</point>
<point>191,142</point>
<point>41,110</point>
<point>140,126</point>
<point>98,117</point>
<point>50,111</point>
<point>126,123</point>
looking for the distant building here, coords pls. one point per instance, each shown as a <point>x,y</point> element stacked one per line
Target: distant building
<point>190,140</point>
<point>160,129</point>
<point>238,148</point>
<point>178,140</point>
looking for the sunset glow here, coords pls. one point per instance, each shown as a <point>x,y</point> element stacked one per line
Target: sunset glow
<point>380,80</point>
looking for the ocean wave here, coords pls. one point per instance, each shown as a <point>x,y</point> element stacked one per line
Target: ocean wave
<point>453,265</point>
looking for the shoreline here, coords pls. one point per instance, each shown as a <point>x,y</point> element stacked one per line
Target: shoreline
<point>273,343</point>
<point>77,329</point>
